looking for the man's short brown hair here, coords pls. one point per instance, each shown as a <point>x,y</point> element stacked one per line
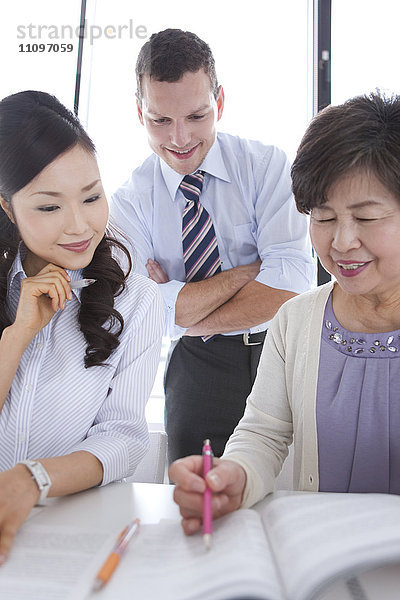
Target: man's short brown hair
<point>171,53</point>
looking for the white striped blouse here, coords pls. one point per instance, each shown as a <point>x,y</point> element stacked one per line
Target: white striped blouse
<point>57,406</point>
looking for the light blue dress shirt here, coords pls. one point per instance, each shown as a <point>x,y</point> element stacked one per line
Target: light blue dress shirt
<point>246,191</point>
<point>56,406</point>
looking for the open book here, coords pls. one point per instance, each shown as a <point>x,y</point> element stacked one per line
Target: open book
<point>294,550</point>
<point>299,547</point>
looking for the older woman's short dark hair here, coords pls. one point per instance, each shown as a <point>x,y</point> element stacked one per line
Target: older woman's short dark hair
<point>361,134</point>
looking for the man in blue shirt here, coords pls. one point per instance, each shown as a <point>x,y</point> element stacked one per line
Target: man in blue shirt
<point>256,242</point>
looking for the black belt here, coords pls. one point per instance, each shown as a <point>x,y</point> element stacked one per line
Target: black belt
<point>248,339</point>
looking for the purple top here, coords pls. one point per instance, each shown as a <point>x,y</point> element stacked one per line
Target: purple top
<point>358,409</point>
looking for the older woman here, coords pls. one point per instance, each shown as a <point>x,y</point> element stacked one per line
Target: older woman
<point>330,370</point>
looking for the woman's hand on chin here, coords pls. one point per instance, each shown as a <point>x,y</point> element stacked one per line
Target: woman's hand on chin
<point>42,295</point>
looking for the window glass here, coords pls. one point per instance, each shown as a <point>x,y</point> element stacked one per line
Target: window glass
<point>262,57</point>
<point>39,47</point>
<point>263,53</point>
<point>365,47</point>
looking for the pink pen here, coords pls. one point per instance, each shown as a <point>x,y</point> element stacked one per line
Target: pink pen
<point>207,497</point>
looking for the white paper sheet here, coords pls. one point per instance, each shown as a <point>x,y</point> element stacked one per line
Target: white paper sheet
<point>164,563</point>
<point>48,563</point>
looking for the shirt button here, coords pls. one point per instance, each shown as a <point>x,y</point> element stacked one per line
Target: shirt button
<point>22,438</point>
<point>39,345</point>
<point>28,387</point>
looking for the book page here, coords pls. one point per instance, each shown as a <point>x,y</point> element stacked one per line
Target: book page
<point>319,537</point>
<point>378,584</point>
<point>49,563</point>
<point>164,563</point>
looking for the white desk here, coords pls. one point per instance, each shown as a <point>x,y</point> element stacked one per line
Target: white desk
<point>55,551</point>
<point>112,506</point>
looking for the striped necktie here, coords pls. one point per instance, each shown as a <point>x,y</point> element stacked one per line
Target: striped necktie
<point>200,248</point>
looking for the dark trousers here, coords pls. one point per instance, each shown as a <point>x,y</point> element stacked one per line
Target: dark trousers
<point>206,387</point>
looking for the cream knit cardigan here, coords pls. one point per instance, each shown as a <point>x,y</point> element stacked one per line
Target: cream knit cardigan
<point>282,403</point>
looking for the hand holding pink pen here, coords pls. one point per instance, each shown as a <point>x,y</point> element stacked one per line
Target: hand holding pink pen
<point>207,497</point>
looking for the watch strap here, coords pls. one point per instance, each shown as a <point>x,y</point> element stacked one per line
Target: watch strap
<point>40,476</point>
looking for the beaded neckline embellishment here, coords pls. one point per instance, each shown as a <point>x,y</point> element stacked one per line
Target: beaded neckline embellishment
<point>360,346</point>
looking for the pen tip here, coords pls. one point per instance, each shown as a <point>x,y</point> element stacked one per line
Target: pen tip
<point>98,584</point>
<point>207,539</point>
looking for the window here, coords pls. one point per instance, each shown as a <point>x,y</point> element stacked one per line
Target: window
<point>263,59</point>
<point>365,47</point>
<point>263,55</point>
<point>35,45</point>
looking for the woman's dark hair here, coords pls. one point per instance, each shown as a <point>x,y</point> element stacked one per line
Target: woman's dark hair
<point>171,53</point>
<point>35,128</point>
<point>361,134</point>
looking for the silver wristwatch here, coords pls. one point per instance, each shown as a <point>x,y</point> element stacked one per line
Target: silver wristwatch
<point>41,477</point>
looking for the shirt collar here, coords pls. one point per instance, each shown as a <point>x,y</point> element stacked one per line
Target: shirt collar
<point>17,271</point>
<point>212,164</point>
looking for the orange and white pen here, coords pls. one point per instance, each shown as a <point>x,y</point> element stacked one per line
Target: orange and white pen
<point>207,496</point>
<point>113,559</point>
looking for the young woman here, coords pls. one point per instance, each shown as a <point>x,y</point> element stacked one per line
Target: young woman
<point>77,364</point>
<point>330,370</point>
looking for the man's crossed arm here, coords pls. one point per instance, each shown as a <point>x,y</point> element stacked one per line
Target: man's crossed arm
<point>228,301</point>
